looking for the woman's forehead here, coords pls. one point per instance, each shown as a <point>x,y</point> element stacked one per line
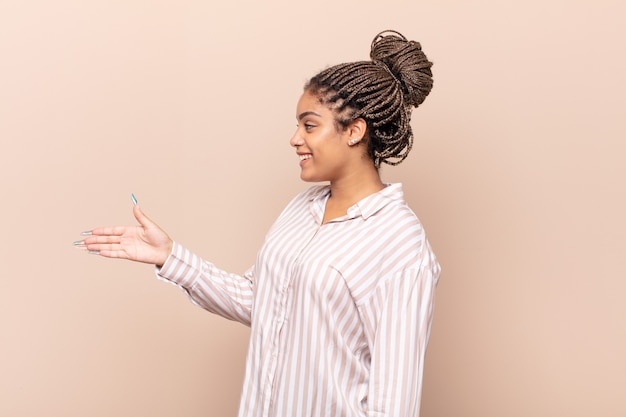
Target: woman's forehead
<point>310,103</point>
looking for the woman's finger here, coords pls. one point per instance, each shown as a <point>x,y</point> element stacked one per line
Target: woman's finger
<point>142,218</point>
<point>109,250</point>
<point>108,231</point>
<point>112,253</point>
<point>99,246</point>
<point>102,239</point>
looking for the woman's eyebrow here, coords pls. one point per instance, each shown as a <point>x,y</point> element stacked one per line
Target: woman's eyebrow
<point>308,113</point>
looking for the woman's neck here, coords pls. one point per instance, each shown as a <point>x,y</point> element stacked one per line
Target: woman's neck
<point>349,190</point>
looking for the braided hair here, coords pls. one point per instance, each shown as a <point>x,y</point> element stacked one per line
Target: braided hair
<point>382,91</point>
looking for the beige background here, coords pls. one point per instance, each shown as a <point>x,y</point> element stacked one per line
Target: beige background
<point>518,175</point>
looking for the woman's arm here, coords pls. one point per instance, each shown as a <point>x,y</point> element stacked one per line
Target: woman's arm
<point>217,291</point>
<point>220,292</point>
<point>402,326</point>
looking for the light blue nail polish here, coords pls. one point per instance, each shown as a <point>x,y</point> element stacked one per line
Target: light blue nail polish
<point>86,233</point>
<point>79,243</point>
<point>132,196</point>
<point>93,252</point>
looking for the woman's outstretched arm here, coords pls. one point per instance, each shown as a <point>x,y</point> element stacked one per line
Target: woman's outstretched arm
<point>217,291</point>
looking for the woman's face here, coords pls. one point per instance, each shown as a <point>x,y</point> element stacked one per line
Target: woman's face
<point>322,148</point>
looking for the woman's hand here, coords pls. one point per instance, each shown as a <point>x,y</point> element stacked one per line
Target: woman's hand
<point>144,243</point>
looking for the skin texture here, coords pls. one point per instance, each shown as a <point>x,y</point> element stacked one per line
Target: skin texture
<point>333,154</point>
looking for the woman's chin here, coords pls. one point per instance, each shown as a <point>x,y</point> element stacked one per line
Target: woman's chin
<point>309,178</point>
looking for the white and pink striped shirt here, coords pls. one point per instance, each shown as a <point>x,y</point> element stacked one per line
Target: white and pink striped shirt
<point>339,312</point>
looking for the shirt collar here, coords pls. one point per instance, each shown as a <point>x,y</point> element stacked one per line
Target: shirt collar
<point>366,207</point>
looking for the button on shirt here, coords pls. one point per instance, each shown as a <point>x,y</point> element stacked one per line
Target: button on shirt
<point>339,312</point>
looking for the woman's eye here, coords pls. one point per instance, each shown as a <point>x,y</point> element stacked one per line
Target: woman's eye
<point>307,126</point>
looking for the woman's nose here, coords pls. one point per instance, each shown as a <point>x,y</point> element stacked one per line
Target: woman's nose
<point>296,139</point>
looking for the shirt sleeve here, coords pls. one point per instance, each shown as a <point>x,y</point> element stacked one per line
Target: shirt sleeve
<point>400,316</point>
<point>228,295</point>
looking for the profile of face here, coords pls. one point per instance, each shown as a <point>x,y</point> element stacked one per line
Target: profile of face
<point>322,145</point>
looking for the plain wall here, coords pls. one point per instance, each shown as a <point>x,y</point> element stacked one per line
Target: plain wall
<point>517,173</point>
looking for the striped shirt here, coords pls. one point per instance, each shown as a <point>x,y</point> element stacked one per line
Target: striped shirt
<point>339,312</point>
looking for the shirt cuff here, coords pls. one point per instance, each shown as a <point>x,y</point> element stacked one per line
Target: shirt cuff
<point>180,268</point>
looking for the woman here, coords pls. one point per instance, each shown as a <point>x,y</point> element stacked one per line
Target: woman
<point>340,298</point>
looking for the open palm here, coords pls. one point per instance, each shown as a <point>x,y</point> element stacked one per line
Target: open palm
<point>146,242</point>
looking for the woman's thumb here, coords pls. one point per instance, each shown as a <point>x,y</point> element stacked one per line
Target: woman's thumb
<point>138,213</point>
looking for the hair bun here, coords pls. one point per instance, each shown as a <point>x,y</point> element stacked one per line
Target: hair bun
<point>406,62</point>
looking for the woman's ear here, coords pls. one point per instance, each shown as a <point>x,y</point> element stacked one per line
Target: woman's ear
<point>356,131</point>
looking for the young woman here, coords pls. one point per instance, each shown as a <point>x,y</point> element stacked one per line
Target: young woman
<point>340,298</point>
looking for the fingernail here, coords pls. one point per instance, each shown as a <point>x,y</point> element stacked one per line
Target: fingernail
<point>86,233</point>
<point>93,252</point>
<point>132,196</point>
<point>79,243</point>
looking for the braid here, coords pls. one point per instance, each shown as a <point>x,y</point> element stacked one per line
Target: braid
<point>382,91</point>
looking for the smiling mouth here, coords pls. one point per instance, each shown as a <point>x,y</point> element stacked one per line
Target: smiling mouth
<point>305,156</point>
